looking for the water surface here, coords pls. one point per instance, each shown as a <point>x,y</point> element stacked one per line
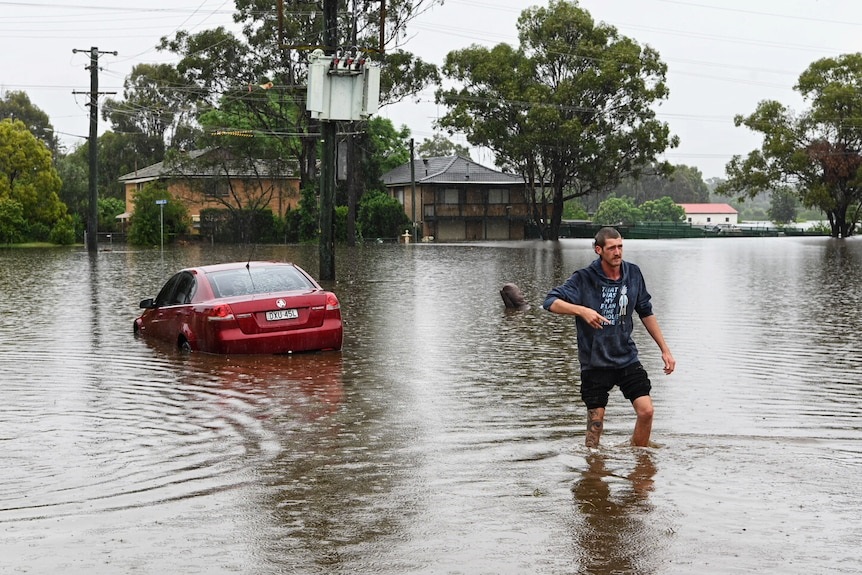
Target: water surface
<point>447,436</point>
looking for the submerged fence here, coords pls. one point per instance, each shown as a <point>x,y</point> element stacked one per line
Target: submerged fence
<point>671,230</point>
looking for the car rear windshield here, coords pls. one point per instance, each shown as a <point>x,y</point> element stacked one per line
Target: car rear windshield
<point>256,280</point>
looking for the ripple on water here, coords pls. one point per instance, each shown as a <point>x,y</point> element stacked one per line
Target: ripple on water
<point>167,427</point>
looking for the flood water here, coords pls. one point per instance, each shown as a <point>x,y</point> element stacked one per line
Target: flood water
<point>447,436</point>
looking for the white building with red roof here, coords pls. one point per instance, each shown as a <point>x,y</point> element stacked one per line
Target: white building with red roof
<point>710,214</point>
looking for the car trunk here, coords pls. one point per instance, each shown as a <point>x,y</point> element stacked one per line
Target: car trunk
<point>251,315</point>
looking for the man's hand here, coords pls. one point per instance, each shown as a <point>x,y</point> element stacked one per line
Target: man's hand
<point>593,318</point>
<point>669,362</point>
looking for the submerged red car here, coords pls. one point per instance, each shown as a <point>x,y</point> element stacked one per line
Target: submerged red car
<point>243,308</point>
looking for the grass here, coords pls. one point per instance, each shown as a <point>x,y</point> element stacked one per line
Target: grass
<point>35,245</point>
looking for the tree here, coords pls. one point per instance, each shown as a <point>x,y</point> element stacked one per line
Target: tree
<point>683,184</point>
<point>17,106</point>
<point>439,145</point>
<point>109,209</point>
<point>13,226</point>
<point>571,110</point>
<point>662,210</point>
<point>574,210</point>
<point>73,170</point>
<point>28,176</point>
<point>783,206</point>
<point>65,232</point>
<point>149,218</point>
<point>381,216</point>
<point>157,107</point>
<point>386,148</point>
<point>818,152</point>
<point>617,211</point>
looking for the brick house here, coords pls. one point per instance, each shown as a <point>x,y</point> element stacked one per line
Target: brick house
<point>208,178</point>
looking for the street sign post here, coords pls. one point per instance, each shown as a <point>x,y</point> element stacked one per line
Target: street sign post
<point>161,204</point>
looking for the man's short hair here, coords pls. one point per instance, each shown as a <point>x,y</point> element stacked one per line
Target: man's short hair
<point>604,234</point>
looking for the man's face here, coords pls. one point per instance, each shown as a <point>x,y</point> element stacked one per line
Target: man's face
<point>612,252</point>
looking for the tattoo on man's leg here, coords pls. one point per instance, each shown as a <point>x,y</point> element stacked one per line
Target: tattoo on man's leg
<point>594,428</point>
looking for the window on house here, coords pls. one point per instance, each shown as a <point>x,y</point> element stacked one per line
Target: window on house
<point>708,219</point>
<point>448,196</point>
<point>216,188</point>
<point>399,195</point>
<point>498,196</point>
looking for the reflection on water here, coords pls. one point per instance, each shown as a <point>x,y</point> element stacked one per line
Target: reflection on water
<point>447,436</point>
<point>616,534</point>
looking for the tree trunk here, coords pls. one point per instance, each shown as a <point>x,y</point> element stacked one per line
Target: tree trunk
<point>556,212</point>
<point>841,228</point>
<point>540,212</point>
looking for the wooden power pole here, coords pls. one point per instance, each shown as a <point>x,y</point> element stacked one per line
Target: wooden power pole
<point>93,211</point>
<point>327,171</point>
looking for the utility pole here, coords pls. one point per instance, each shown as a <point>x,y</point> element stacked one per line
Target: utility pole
<point>327,171</point>
<point>93,212</point>
<point>413,190</point>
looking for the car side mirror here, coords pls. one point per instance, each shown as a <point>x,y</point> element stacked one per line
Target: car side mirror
<point>147,303</point>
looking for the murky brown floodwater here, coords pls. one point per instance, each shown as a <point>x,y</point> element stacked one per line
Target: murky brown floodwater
<point>447,436</point>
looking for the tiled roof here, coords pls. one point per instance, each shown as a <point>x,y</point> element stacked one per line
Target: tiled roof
<point>448,170</point>
<point>155,171</point>
<point>708,209</point>
<point>195,170</point>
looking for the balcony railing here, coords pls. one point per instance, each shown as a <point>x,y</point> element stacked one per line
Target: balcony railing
<point>517,211</point>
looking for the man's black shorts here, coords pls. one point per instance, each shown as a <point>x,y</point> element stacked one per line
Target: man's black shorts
<point>596,384</point>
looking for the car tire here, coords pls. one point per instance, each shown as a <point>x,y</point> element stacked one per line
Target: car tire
<point>184,345</point>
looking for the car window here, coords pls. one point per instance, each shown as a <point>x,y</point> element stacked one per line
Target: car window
<point>185,289</point>
<point>166,295</point>
<point>258,280</point>
<point>178,290</point>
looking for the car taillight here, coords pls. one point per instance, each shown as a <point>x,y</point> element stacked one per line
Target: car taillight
<point>221,312</point>
<point>332,302</point>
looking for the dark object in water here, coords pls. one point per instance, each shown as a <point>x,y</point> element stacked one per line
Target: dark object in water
<point>513,298</point>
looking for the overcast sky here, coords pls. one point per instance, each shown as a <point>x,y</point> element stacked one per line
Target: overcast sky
<point>723,56</point>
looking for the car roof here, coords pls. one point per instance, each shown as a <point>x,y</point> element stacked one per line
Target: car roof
<point>238,265</point>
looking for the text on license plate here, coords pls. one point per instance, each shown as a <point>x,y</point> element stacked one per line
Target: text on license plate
<point>281,314</point>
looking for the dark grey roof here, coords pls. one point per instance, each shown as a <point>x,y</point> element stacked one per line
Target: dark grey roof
<point>448,170</point>
<point>155,171</point>
<point>191,169</point>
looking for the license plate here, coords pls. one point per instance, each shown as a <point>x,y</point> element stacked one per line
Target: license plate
<point>280,314</point>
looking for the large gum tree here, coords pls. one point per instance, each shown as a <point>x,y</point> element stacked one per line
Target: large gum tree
<point>572,109</point>
<point>817,153</point>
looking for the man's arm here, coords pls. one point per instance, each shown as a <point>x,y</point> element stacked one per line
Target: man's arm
<point>593,318</point>
<point>651,324</point>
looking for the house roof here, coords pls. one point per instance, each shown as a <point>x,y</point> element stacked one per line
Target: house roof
<point>193,169</point>
<point>708,209</point>
<point>448,170</point>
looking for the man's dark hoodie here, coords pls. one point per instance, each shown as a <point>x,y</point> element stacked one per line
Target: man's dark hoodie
<point>612,346</point>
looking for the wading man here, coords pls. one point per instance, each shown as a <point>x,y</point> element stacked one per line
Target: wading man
<point>602,297</point>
